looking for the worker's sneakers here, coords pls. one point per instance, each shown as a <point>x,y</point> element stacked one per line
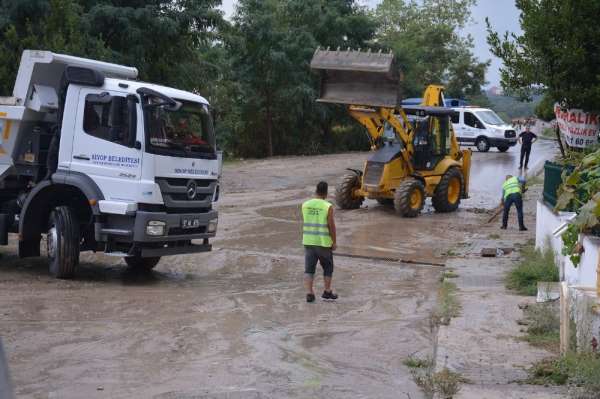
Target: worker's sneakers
<point>310,298</point>
<point>329,295</point>
<point>503,227</point>
<point>523,228</point>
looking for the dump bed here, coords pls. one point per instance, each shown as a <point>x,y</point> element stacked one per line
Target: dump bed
<point>36,95</point>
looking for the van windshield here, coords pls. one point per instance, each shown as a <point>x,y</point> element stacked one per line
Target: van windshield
<point>489,117</point>
<point>188,131</point>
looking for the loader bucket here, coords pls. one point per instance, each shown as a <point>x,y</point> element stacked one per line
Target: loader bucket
<point>357,78</point>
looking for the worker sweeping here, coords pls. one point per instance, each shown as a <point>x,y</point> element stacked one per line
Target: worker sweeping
<point>512,193</point>
<point>319,240</point>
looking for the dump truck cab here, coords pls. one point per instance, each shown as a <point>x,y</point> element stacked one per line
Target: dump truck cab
<point>93,159</point>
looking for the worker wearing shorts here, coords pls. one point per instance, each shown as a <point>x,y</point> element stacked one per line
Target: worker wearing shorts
<point>319,240</point>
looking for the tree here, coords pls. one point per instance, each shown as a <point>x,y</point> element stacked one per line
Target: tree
<point>424,36</point>
<point>271,46</point>
<point>558,52</point>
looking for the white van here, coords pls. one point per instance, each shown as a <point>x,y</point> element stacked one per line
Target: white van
<point>482,128</point>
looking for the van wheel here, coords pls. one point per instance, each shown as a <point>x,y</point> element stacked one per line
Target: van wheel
<point>503,148</point>
<point>62,240</point>
<point>482,144</point>
<point>142,264</point>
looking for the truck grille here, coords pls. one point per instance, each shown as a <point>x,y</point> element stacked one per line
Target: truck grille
<point>509,134</point>
<point>373,173</point>
<point>186,194</point>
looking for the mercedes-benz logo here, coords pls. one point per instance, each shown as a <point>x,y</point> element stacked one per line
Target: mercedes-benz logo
<point>191,189</point>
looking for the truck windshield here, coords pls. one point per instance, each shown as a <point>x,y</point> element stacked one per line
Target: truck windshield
<point>187,132</point>
<point>490,117</point>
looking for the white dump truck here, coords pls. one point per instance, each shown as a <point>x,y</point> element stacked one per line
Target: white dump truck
<point>92,159</point>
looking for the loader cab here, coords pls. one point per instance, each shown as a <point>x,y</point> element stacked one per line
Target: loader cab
<point>432,135</point>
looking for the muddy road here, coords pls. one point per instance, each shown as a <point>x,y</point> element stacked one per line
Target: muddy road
<point>234,323</point>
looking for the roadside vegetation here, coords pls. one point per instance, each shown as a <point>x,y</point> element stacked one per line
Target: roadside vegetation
<point>444,383</point>
<point>543,325</point>
<point>581,371</point>
<point>448,305</point>
<point>534,266</point>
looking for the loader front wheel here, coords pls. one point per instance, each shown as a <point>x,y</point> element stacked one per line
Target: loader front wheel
<point>62,240</point>
<point>448,192</point>
<point>345,196</point>
<point>409,198</point>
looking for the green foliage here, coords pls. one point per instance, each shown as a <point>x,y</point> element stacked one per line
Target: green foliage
<point>448,305</point>
<point>512,108</point>
<point>545,108</point>
<point>255,70</point>
<point>424,36</point>
<point>581,370</point>
<point>271,45</point>
<point>580,191</point>
<point>534,266</point>
<point>543,329</point>
<point>417,363</point>
<point>559,50</point>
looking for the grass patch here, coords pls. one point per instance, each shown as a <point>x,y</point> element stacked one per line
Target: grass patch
<point>448,305</point>
<point>581,370</point>
<point>450,252</point>
<point>543,325</point>
<point>450,274</point>
<point>445,383</point>
<point>494,236</point>
<point>534,266</point>
<point>417,363</point>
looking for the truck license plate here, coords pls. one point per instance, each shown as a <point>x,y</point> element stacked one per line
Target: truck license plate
<point>190,223</point>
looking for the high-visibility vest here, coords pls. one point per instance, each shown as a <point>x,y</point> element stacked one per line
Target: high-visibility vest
<point>511,186</point>
<point>316,228</point>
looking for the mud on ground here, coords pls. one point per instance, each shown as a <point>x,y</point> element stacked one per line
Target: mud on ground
<point>234,323</point>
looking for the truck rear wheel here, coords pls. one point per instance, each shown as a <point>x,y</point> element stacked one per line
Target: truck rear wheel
<point>344,193</point>
<point>142,264</point>
<point>409,198</point>
<point>62,241</point>
<point>503,148</point>
<point>448,192</point>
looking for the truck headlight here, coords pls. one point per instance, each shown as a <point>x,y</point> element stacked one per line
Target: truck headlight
<point>212,226</point>
<point>156,228</point>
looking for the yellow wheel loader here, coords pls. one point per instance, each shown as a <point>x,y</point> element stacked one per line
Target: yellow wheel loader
<point>415,153</point>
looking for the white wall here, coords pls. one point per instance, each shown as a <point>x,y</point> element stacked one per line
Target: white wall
<point>585,275</point>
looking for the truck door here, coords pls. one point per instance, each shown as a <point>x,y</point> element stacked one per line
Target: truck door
<point>107,127</point>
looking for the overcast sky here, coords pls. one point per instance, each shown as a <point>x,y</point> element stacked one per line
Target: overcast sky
<point>502,14</point>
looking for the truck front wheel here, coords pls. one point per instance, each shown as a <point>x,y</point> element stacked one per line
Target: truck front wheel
<point>62,240</point>
<point>142,264</point>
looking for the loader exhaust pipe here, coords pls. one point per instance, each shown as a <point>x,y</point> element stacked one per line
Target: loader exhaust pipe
<point>357,78</point>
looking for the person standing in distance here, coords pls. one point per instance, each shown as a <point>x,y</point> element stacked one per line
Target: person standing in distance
<point>319,240</point>
<point>526,139</point>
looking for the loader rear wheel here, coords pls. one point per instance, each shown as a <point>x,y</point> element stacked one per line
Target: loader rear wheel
<point>409,198</point>
<point>503,148</point>
<point>345,196</point>
<point>448,192</point>
<point>142,264</point>
<point>62,239</point>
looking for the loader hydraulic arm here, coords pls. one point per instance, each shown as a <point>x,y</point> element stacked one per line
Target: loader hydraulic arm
<point>374,121</point>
